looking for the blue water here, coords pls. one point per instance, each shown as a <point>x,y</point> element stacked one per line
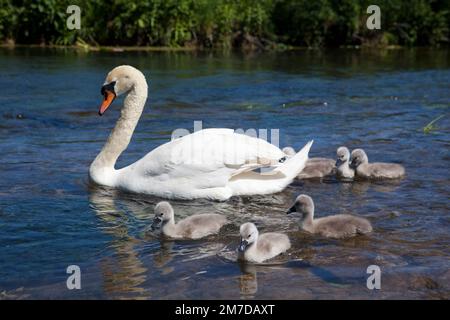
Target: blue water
<point>52,217</point>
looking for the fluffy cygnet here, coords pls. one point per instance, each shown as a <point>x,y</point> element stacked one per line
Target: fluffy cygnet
<point>314,167</point>
<point>337,226</point>
<point>343,169</point>
<point>376,170</point>
<point>289,151</point>
<point>258,248</point>
<point>193,227</point>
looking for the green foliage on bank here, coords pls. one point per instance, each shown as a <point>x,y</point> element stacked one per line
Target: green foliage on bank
<point>226,23</point>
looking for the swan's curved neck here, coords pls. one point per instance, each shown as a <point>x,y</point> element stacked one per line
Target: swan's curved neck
<point>102,168</point>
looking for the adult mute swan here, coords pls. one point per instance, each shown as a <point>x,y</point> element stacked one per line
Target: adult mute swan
<point>209,163</point>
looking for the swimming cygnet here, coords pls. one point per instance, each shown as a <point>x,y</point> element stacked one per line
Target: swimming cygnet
<point>376,170</point>
<point>289,151</point>
<point>314,167</point>
<point>343,169</point>
<point>193,227</point>
<point>337,226</point>
<point>258,248</point>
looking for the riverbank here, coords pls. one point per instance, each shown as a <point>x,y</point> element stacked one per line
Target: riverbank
<point>280,47</point>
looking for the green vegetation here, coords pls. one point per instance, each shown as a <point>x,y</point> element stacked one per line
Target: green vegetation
<point>226,23</point>
<point>431,126</point>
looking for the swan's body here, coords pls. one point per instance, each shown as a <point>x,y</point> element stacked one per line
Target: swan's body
<point>336,226</point>
<point>210,163</point>
<point>194,227</point>
<point>314,167</point>
<point>343,169</point>
<point>376,170</point>
<point>259,248</point>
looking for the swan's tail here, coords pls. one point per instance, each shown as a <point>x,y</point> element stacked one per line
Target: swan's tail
<point>250,183</point>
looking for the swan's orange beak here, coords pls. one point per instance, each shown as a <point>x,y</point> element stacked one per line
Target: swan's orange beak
<point>109,97</point>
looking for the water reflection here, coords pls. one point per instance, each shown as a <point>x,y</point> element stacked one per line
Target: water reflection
<point>248,281</point>
<point>123,272</point>
<point>361,187</point>
<point>164,256</point>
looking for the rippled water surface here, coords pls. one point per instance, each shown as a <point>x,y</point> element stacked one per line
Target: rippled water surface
<point>51,217</point>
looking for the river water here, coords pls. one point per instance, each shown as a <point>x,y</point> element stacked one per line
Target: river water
<point>52,217</point>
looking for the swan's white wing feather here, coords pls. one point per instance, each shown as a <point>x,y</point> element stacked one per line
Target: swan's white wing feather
<point>209,158</point>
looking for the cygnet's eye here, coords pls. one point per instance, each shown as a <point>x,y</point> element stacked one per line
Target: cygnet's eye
<point>249,236</point>
<point>160,214</point>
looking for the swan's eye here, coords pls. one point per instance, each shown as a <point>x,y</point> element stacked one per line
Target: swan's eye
<point>249,236</point>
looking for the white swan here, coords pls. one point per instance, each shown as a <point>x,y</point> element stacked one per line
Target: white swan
<point>210,163</point>
<point>259,248</point>
<point>193,227</point>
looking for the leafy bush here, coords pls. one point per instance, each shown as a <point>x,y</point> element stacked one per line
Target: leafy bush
<point>226,23</point>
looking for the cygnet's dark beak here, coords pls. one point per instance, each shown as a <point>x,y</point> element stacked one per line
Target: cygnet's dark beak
<point>243,245</point>
<point>291,209</point>
<point>157,222</point>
